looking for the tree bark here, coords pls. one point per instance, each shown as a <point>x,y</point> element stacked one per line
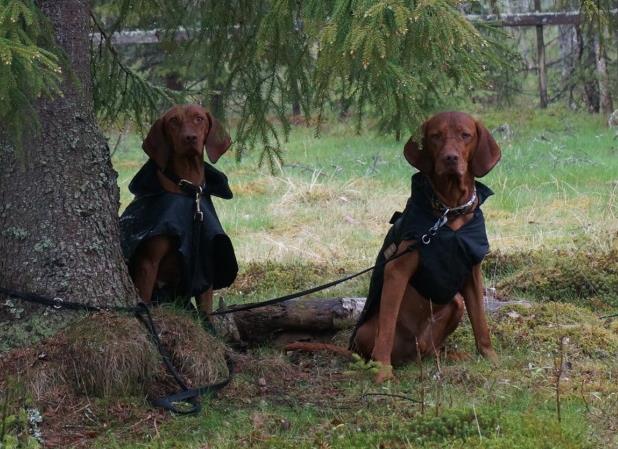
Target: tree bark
<point>568,50</point>
<point>587,63</point>
<point>59,197</point>
<point>605,97</point>
<point>300,318</point>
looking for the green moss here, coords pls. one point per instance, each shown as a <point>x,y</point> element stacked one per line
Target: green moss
<point>540,327</point>
<point>19,332</point>
<point>588,277</point>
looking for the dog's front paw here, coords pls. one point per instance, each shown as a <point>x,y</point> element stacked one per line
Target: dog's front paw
<point>384,373</point>
<point>489,354</point>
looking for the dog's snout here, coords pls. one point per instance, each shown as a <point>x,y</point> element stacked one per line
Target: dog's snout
<point>190,138</point>
<point>451,158</point>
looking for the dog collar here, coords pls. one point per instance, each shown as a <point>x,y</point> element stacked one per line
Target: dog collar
<point>439,206</point>
<point>186,186</point>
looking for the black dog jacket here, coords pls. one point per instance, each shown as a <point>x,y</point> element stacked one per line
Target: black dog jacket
<point>446,261</point>
<point>155,211</point>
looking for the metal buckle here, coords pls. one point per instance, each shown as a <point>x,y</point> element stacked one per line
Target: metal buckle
<point>198,212</point>
<point>433,231</point>
<point>183,182</point>
<point>58,306</point>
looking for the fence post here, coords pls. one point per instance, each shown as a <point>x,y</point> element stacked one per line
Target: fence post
<point>540,48</point>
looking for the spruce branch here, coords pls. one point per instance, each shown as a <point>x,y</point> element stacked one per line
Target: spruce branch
<point>120,90</point>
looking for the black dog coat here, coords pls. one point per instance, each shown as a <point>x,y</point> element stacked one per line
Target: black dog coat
<point>446,262</point>
<point>155,211</point>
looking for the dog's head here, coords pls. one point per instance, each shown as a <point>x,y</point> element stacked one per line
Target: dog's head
<point>453,143</point>
<point>186,130</point>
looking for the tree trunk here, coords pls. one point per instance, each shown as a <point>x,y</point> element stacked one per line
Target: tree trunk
<point>568,50</point>
<point>59,198</point>
<point>173,81</point>
<point>217,103</point>
<point>587,62</point>
<point>605,97</point>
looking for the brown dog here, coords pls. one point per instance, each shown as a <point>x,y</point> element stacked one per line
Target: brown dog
<point>417,300</point>
<point>160,242</point>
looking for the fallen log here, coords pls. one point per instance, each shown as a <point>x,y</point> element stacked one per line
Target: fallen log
<point>303,318</point>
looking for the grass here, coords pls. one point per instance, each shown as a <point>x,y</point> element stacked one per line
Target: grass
<point>332,199</point>
<point>326,211</point>
<point>553,228</point>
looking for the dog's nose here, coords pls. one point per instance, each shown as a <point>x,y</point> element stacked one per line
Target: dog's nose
<point>190,139</point>
<point>451,158</point>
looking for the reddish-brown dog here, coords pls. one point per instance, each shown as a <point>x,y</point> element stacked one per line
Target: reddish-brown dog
<point>455,150</point>
<point>176,145</point>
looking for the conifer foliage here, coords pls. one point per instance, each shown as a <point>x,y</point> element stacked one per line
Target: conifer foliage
<point>391,61</point>
<point>28,66</point>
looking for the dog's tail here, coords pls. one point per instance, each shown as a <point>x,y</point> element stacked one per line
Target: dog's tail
<point>314,347</point>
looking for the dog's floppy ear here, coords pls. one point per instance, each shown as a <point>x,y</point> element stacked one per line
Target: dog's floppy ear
<point>156,145</point>
<point>487,153</point>
<point>217,141</point>
<point>417,155</point>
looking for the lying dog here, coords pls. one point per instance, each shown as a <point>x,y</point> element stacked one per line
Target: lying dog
<point>169,256</point>
<point>417,300</point>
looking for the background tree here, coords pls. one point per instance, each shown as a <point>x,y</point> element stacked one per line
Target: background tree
<point>58,215</point>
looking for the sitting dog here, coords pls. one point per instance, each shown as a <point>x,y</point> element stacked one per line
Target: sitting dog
<point>416,300</point>
<point>171,236</point>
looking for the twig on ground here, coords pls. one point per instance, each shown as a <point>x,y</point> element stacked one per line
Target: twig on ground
<point>422,380</point>
<point>476,419</point>
<point>5,408</point>
<point>558,370</point>
<point>392,395</point>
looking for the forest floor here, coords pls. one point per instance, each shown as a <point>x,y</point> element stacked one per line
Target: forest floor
<point>553,229</point>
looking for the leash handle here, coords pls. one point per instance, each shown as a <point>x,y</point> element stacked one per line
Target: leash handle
<point>190,397</point>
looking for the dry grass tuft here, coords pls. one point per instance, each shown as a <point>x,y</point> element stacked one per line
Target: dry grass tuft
<point>112,356</point>
<point>199,356</point>
<point>109,356</point>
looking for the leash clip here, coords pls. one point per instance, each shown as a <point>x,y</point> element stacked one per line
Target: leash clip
<point>426,238</point>
<point>198,212</point>
<point>57,300</point>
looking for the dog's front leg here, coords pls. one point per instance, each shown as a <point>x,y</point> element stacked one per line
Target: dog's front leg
<point>146,265</point>
<point>397,274</point>
<point>473,297</point>
<point>204,303</point>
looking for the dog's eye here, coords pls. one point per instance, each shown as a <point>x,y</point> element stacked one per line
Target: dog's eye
<point>434,136</point>
<point>466,135</point>
<point>174,121</point>
<point>199,119</point>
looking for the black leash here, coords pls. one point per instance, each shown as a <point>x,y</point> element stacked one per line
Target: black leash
<point>195,191</point>
<point>255,305</point>
<point>189,396</point>
<point>425,239</point>
<point>59,303</point>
